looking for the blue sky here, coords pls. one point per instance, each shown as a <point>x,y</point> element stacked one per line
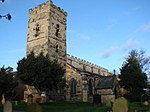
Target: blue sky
<point>101,31</point>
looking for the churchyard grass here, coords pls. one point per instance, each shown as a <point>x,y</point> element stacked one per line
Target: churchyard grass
<point>138,106</point>
<point>67,107</point>
<point>78,107</point>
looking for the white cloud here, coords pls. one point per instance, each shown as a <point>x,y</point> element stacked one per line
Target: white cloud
<point>109,52</point>
<point>130,44</point>
<point>145,27</point>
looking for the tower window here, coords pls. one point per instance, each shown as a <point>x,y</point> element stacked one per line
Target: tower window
<point>57,48</point>
<point>57,30</point>
<point>37,30</point>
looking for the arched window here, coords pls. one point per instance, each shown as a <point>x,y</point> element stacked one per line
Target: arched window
<point>73,87</point>
<point>90,87</point>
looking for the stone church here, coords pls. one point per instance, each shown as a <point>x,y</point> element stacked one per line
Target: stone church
<point>47,33</point>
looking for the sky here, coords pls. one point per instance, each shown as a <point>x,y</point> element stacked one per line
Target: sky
<point>102,32</point>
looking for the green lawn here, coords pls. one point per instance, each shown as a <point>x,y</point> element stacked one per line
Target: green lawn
<point>75,107</point>
<point>138,106</point>
<point>79,107</point>
<point>68,107</point>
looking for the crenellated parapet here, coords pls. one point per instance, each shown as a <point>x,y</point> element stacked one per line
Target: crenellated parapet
<point>46,5</point>
<point>86,65</point>
<point>58,8</point>
<point>44,10</point>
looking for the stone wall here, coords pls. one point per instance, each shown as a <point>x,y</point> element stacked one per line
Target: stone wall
<point>107,95</point>
<point>57,34</point>
<point>38,29</point>
<point>87,66</point>
<point>47,31</point>
<point>73,74</point>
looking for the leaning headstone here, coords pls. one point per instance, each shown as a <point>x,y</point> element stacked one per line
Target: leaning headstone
<point>145,99</point>
<point>7,106</point>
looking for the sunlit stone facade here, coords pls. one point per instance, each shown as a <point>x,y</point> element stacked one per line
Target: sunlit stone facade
<point>47,33</point>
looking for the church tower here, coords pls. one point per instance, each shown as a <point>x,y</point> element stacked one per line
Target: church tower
<point>47,31</point>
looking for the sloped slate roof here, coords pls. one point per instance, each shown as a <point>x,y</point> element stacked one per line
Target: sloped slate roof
<point>105,82</point>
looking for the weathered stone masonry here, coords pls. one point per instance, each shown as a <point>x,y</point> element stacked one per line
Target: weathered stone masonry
<point>47,33</point>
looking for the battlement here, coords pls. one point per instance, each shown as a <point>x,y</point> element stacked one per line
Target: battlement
<point>86,65</point>
<point>58,8</point>
<point>47,4</point>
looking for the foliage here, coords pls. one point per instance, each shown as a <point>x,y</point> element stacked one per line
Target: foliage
<point>7,16</point>
<point>137,106</point>
<point>144,60</point>
<point>7,82</point>
<point>40,72</point>
<point>2,0</point>
<point>133,77</point>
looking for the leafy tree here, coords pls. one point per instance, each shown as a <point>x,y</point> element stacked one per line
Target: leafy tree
<point>7,81</point>
<point>7,16</point>
<point>2,0</point>
<point>143,60</point>
<point>40,72</point>
<point>133,76</point>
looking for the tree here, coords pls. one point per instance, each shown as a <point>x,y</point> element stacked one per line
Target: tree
<point>2,0</point>
<point>143,60</point>
<point>133,76</point>
<point>7,81</point>
<point>7,16</point>
<point>40,72</point>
